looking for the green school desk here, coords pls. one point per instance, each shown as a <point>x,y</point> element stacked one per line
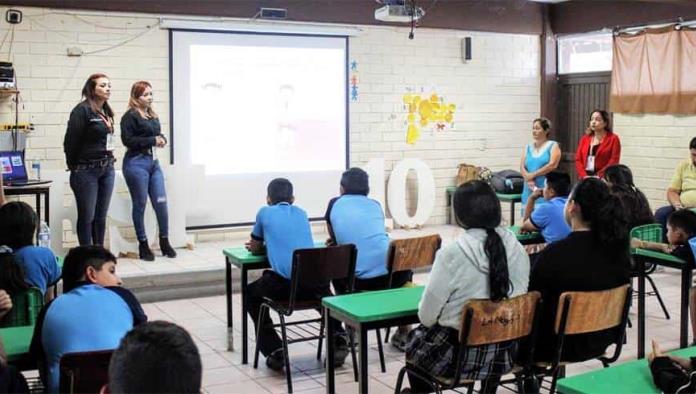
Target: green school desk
<point>368,311</point>
<point>630,377</point>
<point>642,257</point>
<point>245,262</point>
<point>16,341</point>
<point>511,198</point>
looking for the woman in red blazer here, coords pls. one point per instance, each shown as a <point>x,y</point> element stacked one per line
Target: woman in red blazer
<point>599,148</point>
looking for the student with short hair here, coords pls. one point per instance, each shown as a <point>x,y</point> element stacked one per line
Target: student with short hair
<point>281,228</point>
<point>93,313</point>
<point>548,218</point>
<point>354,218</point>
<point>681,227</point>
<point>18,223</point>
<point>155,357</point>
<point>485,262</point>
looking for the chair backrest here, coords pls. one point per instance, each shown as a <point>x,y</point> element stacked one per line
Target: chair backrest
<point>84,372</point>
<point>581,312</point>
<point>319,266</point>
<point>412,253</point>
<point>648,232</point>
<point>25,308</point>
<point>487,322</point>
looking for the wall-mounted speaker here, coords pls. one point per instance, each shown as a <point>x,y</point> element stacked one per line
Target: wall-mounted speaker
<point>466,49</point>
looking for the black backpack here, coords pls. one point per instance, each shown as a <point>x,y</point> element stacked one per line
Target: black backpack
<point>507,182</point>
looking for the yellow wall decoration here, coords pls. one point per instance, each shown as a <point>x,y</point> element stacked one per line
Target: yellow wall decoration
<point>426,111</point>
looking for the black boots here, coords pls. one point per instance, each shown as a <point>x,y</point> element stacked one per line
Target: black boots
<point>166,248</point>
<point>145,252</point>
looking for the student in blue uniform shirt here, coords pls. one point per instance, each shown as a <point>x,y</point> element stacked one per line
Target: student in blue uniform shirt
<point>18,224</point>
<point>548,218</point>
<point>354,218</point>
<point>282,228</point>
<point>93,313</point>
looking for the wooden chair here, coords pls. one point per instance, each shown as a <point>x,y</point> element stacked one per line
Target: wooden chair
<point>584,313</point>
<point>84,372</point>
<point>310,268</point>
<point>411,254</point>
<point>25,308</point>
<point>484,322</point>
<point>650,233</point>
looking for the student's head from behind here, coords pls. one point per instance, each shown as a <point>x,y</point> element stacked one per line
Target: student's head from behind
<point>279,190</point>
<point>477,207</point>
<point>557,185</point>
<point>681,226</point>
<point>355,181</point>
<point>618,174</point>
<point>592,206</point>
<point>156,357</point>
<point>17,225</point>
<point>11,273</point>
<point>92,264</point>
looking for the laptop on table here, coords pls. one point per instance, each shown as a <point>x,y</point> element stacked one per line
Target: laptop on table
<point>14,172</point>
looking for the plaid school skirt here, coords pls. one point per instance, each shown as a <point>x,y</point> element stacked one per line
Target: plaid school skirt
<point>434,350</point>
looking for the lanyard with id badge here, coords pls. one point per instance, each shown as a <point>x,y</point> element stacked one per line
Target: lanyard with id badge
<point>110,135</point>
<point>590,167</point>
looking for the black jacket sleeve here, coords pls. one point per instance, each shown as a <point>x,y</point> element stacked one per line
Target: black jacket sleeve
<point>670,377</point>
<point>139,316</point>
<point>130,136</point>
<point>74,134</point>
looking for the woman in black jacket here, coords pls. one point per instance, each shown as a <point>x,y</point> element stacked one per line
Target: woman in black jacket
<point>141,134</point>
<point>88,147</point>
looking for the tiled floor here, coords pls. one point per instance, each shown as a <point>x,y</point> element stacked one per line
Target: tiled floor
<point>223,372</point>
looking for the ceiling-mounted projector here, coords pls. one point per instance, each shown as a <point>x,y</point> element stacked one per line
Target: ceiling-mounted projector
<point>398,11</point>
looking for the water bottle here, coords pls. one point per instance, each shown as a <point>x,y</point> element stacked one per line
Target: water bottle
<point>44,235</point>
<point>36,166</point>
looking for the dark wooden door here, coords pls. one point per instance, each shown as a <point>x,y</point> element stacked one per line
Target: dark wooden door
<point>578,95</point>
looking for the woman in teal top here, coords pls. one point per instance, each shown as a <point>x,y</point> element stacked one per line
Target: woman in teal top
<point>540,157</point>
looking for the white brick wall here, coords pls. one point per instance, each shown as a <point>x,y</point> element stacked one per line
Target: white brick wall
<point>652,146</point>
<point>497,93</point>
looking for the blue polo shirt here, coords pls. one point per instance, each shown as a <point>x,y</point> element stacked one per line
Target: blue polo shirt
<point>88,318</point>
<point>549,219</point>
<point>40,266</point>
<point>359,220</point>
<point>283,228</point>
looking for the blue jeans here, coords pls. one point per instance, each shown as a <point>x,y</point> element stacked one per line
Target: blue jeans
<point>144,176</point>
<point>92,188</point>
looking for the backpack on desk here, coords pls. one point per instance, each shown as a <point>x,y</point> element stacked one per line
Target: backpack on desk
<point>507,182</point>
<point>670,377</point>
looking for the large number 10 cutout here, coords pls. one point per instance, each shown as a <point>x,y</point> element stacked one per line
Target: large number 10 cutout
<point>397,190</point>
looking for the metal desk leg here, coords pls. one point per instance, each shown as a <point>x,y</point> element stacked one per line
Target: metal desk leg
<point>38,206</point>
<point>512,213</point>
<point>46,208</point>
<point>363,378</point>
<point>228,300</point>
<point>245,346</point>
<point>640,265</point>
<point>330,350</point>
<point>684,315</point>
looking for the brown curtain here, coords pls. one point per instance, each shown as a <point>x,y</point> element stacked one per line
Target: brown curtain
<point>654,72</point>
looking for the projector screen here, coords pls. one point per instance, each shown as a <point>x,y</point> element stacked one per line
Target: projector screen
<point>251,107</point>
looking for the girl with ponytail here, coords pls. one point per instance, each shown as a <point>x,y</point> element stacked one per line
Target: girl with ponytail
<point>595,256</point>
<point>486,261</point>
